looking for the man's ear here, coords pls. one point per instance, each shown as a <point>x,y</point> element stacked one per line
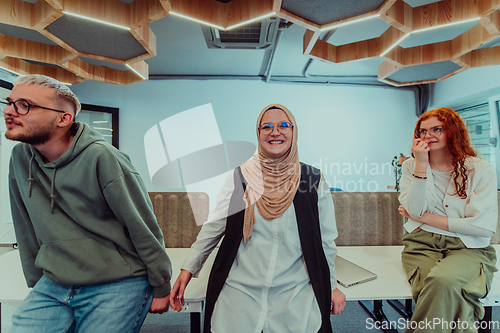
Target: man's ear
<point>66,119</point>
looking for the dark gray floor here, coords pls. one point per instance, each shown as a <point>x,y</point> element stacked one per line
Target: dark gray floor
<point>354,319</point>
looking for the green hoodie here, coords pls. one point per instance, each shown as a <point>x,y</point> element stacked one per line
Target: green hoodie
<point>85,218</point>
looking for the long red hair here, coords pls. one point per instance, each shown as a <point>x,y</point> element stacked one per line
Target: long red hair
<point>458,144</point>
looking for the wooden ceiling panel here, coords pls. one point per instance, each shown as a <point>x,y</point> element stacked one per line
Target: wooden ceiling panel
<point>359,50</point>
<point>223,15</point>
<point>295,19</point>
<point>23,67</point>
<point>115,12</point>
<point>324,51</point>
<point>25,49</point>
<point>405,21</point>
<point>482,57</point>
<point>142,12</point>
<point>491,23</point>
<point>400,16</point>
<point>24,14</point>
<point>470,40</point>
<point>103,74</point>
<point>40,15</point>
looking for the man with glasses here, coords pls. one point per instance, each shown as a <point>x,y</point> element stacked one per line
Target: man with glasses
<point>90,245</point>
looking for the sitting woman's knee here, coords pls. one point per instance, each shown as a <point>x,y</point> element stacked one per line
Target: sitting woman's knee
<point>442,282</point>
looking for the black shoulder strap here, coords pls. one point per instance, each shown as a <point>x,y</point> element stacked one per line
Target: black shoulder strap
<point>228,248</point>
<point>306,210</point>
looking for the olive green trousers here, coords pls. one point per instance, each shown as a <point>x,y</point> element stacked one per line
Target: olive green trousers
<point>447,280</point>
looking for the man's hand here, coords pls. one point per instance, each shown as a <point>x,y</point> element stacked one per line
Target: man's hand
<point>338,302</point>
<point>160,304</point>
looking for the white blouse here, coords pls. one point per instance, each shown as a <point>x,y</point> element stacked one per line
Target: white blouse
<point>473,219</point>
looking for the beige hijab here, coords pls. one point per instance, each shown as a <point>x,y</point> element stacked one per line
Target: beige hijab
<point>272,182</point>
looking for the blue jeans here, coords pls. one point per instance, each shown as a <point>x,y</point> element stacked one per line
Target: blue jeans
<point>118,306</point>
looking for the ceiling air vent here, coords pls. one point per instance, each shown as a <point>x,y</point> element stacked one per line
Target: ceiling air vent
<point>258,35</point>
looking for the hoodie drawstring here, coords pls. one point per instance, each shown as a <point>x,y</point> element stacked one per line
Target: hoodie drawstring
<point>30,176</point>
<point>52,195</point>
<point>52,184</point>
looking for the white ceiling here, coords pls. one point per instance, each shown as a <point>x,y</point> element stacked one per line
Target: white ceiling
<point>182,50</point>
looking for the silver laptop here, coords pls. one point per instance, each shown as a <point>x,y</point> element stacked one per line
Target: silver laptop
<point>349,274</point>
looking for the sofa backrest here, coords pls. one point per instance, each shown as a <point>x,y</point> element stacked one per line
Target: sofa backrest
<point>363,218</point>
<point>368,218</point>
<point>175,212</point>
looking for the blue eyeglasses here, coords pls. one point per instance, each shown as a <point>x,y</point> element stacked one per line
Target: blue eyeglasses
<point>282,127</point>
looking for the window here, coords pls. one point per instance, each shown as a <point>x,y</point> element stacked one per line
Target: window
<point>102,119</point>
<point>482,120</point>
<point>478,121</point>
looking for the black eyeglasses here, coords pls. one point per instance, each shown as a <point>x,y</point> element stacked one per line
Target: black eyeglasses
<point>22,107</point>
<point>435,132</point>
<point>282,127</point>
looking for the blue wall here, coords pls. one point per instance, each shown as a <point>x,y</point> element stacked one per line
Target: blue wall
<point>351,133</point>
<point>472,84</point>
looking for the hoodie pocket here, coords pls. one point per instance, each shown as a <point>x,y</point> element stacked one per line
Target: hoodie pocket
<point>82,261</point>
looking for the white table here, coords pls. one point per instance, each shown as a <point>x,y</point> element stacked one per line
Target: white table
<point>391,283</point>
<point>194,295</point>
<point>385,261</point>
<point>7,235</point>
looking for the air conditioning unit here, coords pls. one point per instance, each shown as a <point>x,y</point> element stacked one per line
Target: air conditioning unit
<point>257,35</point>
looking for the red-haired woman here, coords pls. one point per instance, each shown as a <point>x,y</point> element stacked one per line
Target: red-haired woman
<point>449,196</point>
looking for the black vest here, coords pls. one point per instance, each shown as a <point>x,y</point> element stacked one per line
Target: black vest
<point>306,211</point>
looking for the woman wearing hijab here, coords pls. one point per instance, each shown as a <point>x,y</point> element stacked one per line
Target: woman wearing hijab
<point>274,271</point>
<point>449,196</point>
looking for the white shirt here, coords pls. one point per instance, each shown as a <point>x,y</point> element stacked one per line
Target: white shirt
<point>268,288</point>
<point>473,219</point>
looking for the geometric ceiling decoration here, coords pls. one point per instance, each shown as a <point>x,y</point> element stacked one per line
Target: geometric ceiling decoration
<point>104,63</point>
<point>416,41</point>
<point>364,30</point>
<point>102,40</point>
<point>431,37</point>
<point>41,63</point>
<point>494,42</point>
<point>24,33</point>
<point>67,40</point>
<point>327,11</point>
<point>412,51</point>
<point>416,3</point>
<point>86,36</point>
<point>425,72</point>
<point>223,16</point>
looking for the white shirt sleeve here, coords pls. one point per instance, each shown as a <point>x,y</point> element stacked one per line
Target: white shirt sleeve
<point>328,227</point>
<point>481,210</point>
<point>212,231</point>
<point>461,226</point>
<point>412,196</point>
